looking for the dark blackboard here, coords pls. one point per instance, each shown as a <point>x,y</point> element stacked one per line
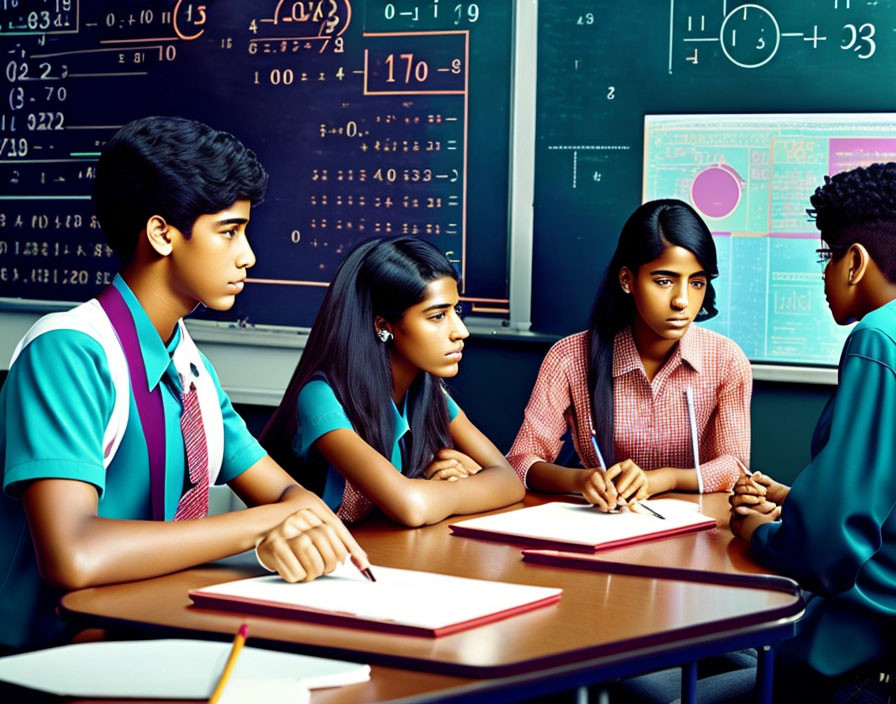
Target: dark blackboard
<point>371,117</point>
<point>603,66</point>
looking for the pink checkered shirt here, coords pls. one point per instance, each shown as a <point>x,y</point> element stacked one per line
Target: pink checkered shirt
<point>355,504</point>
<point>651,419</point>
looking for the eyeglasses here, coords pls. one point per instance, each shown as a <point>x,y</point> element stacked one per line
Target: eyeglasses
<point>825,254</point>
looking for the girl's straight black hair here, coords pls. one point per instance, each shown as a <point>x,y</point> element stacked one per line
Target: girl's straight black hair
<point>380,277</point>
<point>652,228</point>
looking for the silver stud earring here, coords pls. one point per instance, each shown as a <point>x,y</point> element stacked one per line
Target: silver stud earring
<point>384,335</point>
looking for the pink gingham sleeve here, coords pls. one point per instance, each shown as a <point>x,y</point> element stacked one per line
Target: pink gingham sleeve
<point>355,504</point>
<point>545,420</point>
<point>728,432</point>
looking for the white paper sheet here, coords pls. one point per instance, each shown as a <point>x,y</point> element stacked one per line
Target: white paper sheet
<point>406,597</point>
<point>581,524</point>
<point>169,669</point>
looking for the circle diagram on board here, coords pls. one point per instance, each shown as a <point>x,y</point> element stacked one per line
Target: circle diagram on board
<point>716,191</point>
<point>750,36</point>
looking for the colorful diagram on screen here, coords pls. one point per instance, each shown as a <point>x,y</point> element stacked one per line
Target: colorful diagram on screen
<point>750,177</point>
<point>716,191</point>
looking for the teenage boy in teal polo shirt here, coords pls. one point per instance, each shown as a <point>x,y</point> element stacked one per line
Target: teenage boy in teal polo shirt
<point>836,531</point>
<point>99,482</point>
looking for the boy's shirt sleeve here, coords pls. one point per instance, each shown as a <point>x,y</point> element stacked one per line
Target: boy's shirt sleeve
<point>58,400</point>
<point>241,449</point>
<point>832,519</point>
<point>319,412</point>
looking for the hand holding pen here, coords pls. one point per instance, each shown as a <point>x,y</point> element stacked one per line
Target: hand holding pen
<point>622,485</point>
<point>750,478</point>
<point>308,544</point>
<point>755,491</point>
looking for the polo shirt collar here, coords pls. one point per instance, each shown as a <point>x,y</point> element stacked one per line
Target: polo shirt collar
<point>155,355</point>
<point>400,418</point>
<point>626,358</point>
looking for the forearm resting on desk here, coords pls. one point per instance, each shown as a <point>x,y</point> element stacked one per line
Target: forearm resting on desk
<point>420,502</point>
<point>76,548</point>
<point>666,479</point>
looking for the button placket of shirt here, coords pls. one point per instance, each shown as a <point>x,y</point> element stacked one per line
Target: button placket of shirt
<point>658,388</point>
<point>171,382</point>
<point>646,440</point>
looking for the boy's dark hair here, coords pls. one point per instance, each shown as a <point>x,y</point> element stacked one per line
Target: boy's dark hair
<point>859,207</point>
<point>176,168</point>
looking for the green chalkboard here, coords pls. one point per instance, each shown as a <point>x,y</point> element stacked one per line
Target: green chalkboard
<point>373,117</point>
<point>604,66</point>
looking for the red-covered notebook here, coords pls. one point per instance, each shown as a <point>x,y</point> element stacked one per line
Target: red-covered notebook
<point>584,528</point>
<point>400,601</point>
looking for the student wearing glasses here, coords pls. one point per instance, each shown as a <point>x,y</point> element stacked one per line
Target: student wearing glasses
<point>834,530</point>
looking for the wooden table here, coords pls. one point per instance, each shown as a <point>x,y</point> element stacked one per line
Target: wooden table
<point>605,625</point>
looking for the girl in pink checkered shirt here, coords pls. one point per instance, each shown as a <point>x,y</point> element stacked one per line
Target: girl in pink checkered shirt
<point>622,385</point>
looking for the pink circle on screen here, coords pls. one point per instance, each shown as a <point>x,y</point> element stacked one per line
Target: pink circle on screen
<point>716,191</point>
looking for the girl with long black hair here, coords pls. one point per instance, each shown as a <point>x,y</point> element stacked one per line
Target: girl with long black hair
<point>629,386</point>
<point>367,396</point>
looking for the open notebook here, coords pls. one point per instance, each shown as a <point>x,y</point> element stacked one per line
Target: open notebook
<point>584,527</point>
<point>400,601</point>
<point>173,669</point>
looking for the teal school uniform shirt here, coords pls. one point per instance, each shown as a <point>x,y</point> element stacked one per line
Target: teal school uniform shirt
<point>320,412</point>
<point>837,533</point>
<point>54,407</point>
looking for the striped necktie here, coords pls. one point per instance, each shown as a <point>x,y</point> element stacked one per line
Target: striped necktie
<point>194,503</point>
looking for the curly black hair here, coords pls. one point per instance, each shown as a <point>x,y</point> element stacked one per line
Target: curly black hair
<point>859,207</point>
<point>173,167</point>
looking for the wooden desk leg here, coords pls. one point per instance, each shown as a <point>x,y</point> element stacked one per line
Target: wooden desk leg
<point>689,683</point>
<point>765,674</point>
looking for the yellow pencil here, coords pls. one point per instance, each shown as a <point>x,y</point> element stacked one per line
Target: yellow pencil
<point>238,642</point>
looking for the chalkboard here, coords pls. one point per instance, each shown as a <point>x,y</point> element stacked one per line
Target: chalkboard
<point>373,118</point>
<point>604,66</point>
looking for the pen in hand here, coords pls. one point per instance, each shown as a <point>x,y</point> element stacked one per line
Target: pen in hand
<point>748,475</point>
<point>603,465</point>
<point>620,500</point>
<point>637,506</point>
<point>763,500</point>
<point>600,457</point>
<point>238,642</point>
